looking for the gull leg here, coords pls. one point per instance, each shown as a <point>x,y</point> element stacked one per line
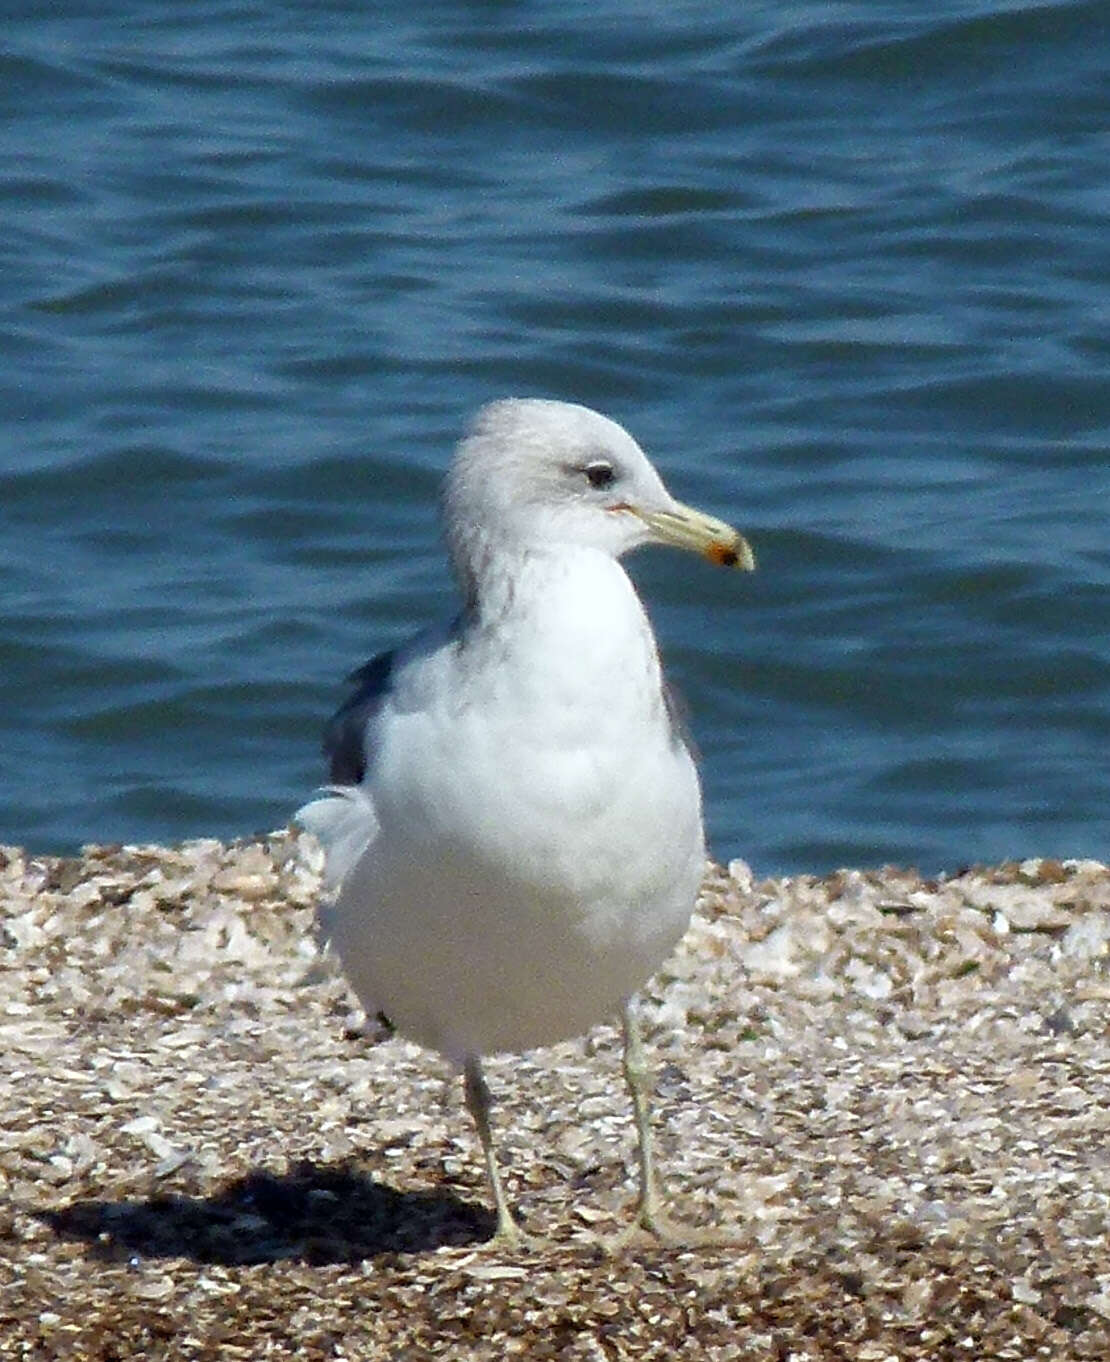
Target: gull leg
<point>478,1104</point>
<point>650,1217</point>
<point>649,1208</point>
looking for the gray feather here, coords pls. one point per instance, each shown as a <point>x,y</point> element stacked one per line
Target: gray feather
<point>345,734</point>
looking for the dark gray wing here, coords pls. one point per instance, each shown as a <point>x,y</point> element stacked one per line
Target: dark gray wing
<point>345,734</point>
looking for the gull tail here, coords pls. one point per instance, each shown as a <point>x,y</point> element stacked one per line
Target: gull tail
<point>344,823</point>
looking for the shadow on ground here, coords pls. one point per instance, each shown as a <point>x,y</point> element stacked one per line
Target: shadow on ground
<point>312,1214</point>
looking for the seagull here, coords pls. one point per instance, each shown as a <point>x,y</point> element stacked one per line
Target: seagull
<point>513,831</point>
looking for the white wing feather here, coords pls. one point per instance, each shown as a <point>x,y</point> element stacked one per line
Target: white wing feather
<point>344,823</point>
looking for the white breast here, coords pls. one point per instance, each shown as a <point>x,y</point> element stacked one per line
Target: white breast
<point>540,842</point>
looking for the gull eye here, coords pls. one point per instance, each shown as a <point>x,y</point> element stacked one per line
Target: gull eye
<point>600,474</point>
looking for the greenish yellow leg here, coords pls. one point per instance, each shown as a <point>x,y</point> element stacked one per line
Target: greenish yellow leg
<point>478,1104</point>
<point>649,1208</point>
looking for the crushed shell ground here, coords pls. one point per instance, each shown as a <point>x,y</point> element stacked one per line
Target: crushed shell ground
<point>888,1094</point>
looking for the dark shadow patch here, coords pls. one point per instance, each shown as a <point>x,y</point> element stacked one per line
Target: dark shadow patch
<point>312,1214</point>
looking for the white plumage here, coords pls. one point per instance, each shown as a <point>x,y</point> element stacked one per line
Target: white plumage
<point>515,836</point>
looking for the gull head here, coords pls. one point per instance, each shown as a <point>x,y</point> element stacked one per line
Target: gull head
<point>533,475</point>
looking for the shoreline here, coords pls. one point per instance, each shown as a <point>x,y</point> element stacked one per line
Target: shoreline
<point>892,1091</point>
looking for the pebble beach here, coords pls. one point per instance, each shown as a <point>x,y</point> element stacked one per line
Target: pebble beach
<point>881,1113</point>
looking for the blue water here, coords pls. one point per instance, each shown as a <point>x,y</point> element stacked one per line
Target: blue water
<point>842,269</point>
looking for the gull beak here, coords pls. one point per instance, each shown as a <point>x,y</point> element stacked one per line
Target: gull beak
<point>683,527</point>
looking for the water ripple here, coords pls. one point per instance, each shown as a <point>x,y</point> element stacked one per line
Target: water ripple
<point>842,271</point>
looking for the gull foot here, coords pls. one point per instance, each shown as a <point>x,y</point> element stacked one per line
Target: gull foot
<point>653,1226</point>
<point>509,1241</point>
<point>508,1235</point>
<point>515,1242</point>
<point>511,1238</point>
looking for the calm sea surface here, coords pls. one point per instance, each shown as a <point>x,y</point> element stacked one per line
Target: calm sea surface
<point>843,269</point>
